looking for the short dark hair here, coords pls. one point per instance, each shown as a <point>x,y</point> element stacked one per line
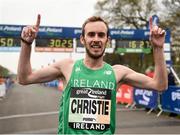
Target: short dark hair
<point>94,19</point>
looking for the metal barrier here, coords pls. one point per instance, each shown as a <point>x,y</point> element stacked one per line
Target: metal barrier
<point>167,101</point>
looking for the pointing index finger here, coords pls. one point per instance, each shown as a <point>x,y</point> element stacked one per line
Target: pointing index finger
<point>38,21</point>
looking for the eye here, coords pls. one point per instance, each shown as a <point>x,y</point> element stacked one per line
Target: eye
<point>91,34</point>
<point>101,34</point>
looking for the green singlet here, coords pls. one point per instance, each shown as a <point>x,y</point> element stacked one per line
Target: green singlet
<point>88,103</point>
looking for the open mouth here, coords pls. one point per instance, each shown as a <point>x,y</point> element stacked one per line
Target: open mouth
<point>95,46</point>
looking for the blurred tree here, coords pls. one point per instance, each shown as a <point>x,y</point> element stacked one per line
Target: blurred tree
<point>172,20</point>
<point>4,72</point>
<point>136,13</point>
<point>126,13</point>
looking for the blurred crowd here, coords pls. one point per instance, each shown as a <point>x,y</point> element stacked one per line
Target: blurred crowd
<point>5,85</point>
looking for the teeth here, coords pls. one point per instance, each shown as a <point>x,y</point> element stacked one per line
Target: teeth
<point>96,46</point>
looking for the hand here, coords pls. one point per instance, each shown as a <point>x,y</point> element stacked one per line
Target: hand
<point>157,35</point>
<point>29,33</point>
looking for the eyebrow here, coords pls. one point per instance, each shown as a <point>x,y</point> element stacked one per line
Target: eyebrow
<point>99,33</point>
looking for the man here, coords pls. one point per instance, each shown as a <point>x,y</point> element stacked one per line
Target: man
<point>88,104</point>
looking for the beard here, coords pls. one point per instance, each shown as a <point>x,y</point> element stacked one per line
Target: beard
<point>91,55</point>
<point>94,56</point>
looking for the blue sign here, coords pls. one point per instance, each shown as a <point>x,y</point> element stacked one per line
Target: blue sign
<point>63,32</point>
<point>75,32</point>
<point>169,63</point>
<point>146,98</point>
<point>170,99</point>
<point>10,35</point>
<point>11,30</point>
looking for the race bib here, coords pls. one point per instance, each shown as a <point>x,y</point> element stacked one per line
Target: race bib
<point>90,108</point>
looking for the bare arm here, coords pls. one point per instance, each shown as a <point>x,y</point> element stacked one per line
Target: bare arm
<point>129,76</point>
<point>157,38</point>
<point>159,81</point>
<point>25,74</point>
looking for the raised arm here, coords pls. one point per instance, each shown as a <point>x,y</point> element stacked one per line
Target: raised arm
<point>160,80</point>
<point>157,38</point>
<point>25,74</point>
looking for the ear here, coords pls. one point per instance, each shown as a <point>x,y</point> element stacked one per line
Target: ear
<point>82,40</point>
<point>108,40</point>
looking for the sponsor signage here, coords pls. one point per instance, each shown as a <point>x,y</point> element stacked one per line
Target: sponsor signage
<point>170,99</point>
<point>146,98</point>
<point>125,94</point>
<point>61,39</point>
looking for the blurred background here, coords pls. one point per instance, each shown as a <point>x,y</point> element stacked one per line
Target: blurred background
<point>120,14</point>
<point>129,30</point>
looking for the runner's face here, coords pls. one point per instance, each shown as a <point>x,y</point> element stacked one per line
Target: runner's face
<point>95,39</point>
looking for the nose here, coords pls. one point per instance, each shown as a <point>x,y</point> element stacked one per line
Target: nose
<point>96,37</point>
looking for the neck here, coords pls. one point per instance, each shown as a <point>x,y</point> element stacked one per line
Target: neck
<point>93,63</point>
